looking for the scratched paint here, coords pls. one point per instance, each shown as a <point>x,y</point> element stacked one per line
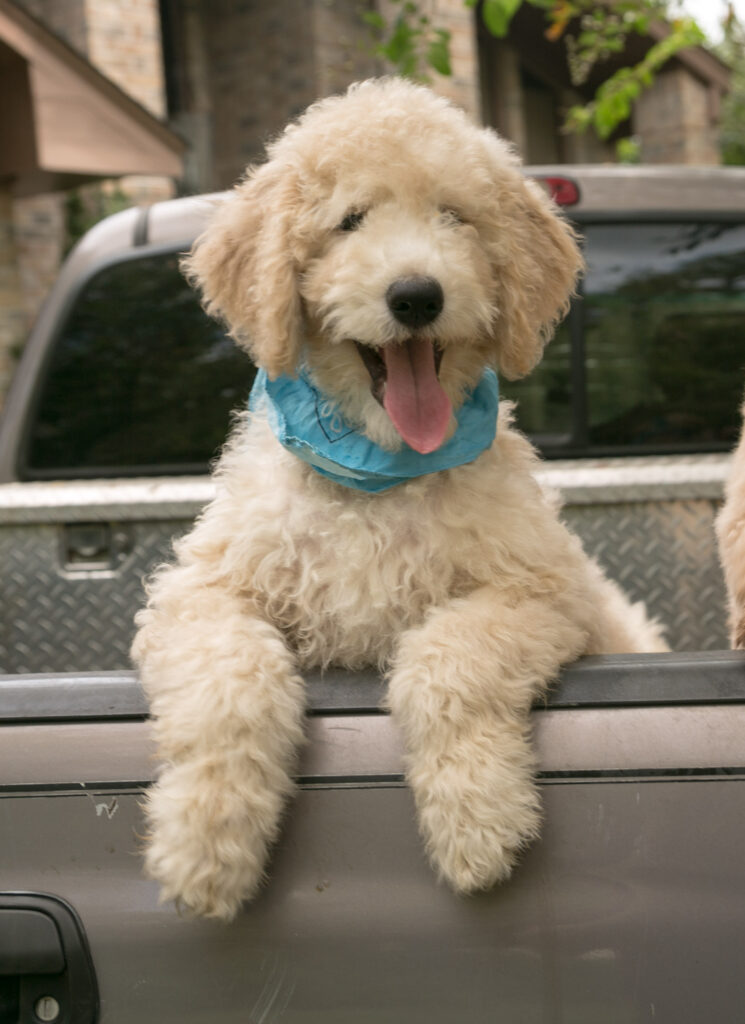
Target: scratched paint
<point>104,809</point>
<point>275,994</point>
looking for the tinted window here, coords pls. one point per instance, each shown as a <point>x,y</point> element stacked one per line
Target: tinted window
<point>665,334</point>
<point>545,397</point>
<point>140,380</point>
<point>663,320</point>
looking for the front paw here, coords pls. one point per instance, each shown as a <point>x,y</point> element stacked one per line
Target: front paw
<point>474,830</point>
<point>207,846</point>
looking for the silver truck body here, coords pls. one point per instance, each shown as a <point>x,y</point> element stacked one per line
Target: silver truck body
<point>630,908</point>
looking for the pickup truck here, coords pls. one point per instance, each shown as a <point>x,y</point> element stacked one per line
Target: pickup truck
<point>631,907</point>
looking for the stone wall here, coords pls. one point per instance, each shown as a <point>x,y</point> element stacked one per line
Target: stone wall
<point>39,229</point>
<point>261,72</point>
<point>242,71</point>
<point>675,122</point>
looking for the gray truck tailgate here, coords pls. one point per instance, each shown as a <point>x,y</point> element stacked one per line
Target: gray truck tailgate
<point>631,907</point>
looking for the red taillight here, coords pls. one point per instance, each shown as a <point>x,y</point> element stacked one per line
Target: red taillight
<point>563,191</point>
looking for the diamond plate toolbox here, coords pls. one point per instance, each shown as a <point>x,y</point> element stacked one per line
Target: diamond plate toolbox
<point>73,556</point>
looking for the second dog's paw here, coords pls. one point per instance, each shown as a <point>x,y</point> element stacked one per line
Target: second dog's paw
<point>206,852</point>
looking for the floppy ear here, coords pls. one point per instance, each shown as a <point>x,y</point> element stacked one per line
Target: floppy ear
<point>536,261</point>
<point>245,268</point>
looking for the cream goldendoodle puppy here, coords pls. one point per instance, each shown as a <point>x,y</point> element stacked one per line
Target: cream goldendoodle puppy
<point>379,264</point>
<point>730,527</point>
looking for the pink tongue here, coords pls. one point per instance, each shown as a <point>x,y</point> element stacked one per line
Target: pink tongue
<point>414,400</point>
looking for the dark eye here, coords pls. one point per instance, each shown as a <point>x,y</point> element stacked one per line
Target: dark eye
<point>451,216</point>
<point>352,220</point>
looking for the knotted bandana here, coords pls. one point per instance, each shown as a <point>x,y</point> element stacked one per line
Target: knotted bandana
<point>308,424</point>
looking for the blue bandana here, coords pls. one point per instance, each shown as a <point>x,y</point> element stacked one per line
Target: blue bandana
<point>310,426</point>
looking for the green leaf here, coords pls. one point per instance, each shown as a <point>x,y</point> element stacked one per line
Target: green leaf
<point>438,53</point>
<point>498,14</point>
<point>374,18</point>
<point>400,47</point>
<point>588,39</point>
<point>611,109</point>
<point>578,119</point>
<point>628,151</point>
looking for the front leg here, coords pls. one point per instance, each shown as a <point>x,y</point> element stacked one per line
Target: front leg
<point>461,689</point>
<point>228,718</point>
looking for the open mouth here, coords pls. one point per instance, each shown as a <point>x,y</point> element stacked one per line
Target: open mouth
<point>404,379</point>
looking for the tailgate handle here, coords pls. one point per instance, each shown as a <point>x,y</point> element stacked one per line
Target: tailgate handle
<point>94,547</point>
<point>29,943</point>
<point>46,971</point>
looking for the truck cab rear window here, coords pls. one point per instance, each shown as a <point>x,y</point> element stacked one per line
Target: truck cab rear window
<point>140,379</point>
<point>661,337</point>
<point>651,359</point>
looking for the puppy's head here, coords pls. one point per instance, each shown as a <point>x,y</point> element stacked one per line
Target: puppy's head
<point>396,249</point>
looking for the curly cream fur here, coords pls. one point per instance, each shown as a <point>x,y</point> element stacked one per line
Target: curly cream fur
<point>730,529</point>
<point>464,584</point>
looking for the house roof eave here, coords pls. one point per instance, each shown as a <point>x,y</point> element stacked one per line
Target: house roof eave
<point>78,124</point>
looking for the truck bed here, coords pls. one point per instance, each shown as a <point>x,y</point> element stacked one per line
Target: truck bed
<point>75,552</point>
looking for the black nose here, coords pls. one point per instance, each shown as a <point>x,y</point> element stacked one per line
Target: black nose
<point>415,301</point>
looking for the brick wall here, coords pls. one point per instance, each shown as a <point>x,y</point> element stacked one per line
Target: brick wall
<point>123,39</point>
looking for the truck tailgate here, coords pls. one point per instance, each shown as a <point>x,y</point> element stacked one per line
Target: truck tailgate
<point>631,906</point>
